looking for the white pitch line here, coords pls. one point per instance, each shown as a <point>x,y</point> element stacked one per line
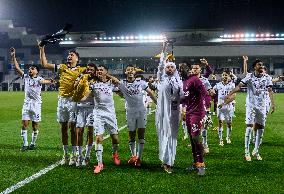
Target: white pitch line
<point>44,171</point>
<point>40,173</point>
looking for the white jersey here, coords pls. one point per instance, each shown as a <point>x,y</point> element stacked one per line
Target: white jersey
<point>223,90</point>
<point>103,96</point>
<point>257,89</point>
<point>133,93</point>
<point>32,88</point>
<point>205,82</point>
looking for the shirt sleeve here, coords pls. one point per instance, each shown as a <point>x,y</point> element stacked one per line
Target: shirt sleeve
<point>269,80</point>
<point>246,79</point>
<point>144,85</point>
<point>24,76</point>
<point>208,71</point>
<point>215,87</point>
<point>121,86</point>
<point>207,84</point>
<point>40,79</point>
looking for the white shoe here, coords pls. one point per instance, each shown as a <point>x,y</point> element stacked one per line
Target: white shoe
<point>247,157</point>
<point>206,150</point>
<point>64,160</point>
<point>185,137</point>
<point>72,160</point>
<point>86,161</point>
<point>79,161</point>
<point>256,154</point>
<point>228,140</point>
<point>221,143</point>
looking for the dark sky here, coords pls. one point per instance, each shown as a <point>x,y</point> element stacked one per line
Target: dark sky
<point>142,16</point>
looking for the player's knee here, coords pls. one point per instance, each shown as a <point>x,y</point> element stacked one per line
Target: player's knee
<point>99,139</point>
<point>64,126</point>
<point>114,138</point>
<point>141,133</point>
<point>132,135</point>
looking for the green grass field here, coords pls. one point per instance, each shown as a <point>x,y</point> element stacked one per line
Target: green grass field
<point>227,172</point>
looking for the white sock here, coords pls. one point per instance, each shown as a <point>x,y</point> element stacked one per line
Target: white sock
<point>80,150</point>
<point>229,130</point>
<point>74,150</point>
<point>88,150</point>
<point>34,137</point>
<point>99,153</point>
<point>258,139</point>
<point>115,148</point>
<point>24,134</point>
<point>141,143</point>
<point>247,139</point>
<point>65,149</point>
<point>132,147</point>
<point>184,128</point>
<point>204,137</point>
<point>220,133</point>
<point>148,110</point>
<point>253,135</point>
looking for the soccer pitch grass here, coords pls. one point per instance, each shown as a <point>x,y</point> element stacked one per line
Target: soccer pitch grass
<point>226,169</point>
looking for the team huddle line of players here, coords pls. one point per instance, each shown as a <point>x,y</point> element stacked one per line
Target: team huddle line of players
<point>86,100</point>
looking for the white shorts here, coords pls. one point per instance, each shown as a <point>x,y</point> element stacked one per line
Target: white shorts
<point>225,114</point>
<point>136,120</point>
<point>84,116</point>
<point>255,115</point>
<point>66,110</point>
<point>31,111</point>
<point>105,120</point>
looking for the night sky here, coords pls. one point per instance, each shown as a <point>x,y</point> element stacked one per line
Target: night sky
<point>142,16</point>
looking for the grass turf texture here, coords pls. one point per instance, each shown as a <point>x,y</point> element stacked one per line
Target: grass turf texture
<point>226,172</point>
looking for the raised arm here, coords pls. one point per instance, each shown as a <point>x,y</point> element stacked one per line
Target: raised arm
<point>161,67</point>
<point>43,60</point>
<point>208,69</point>
<point>113,79</point>
<point>15,62</point>
<point>47,81</point>
<point>245,64</point>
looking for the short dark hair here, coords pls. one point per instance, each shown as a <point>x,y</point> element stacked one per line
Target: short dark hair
<point>195,64</point>
<point>264,67</point>
<point>93,65</point>
<point>76,53</point>
<point>256,62</point>
<point>35,66</point>
<point>186,63</point>
<point>105,67</point>
<point>129,66</point>
<point>227,71</point>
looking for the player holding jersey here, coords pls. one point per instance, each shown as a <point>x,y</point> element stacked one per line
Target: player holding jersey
<point>257,86</point>
<point>136,113</point>
<point>225,111</point>
<point>31,110</point>
<point>66,108</point>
